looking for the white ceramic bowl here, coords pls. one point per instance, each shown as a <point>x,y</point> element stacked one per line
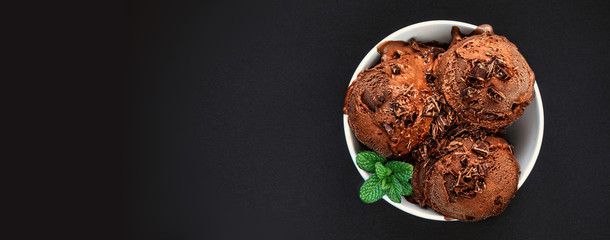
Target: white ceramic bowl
<point>525,134</point>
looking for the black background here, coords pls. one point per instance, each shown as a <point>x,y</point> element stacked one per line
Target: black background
<point>238,127</point>
<point>222,120</point>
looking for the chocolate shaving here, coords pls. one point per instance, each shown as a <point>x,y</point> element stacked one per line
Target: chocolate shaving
<point>475,82</point>
<point>415,46</point>
<point>456,132</point>
<point>480,186</point>
<point>500,62</point>
<point>421,153</point>
<point>454,145</point>
<point>460,182</point>
<point>501,74</point>
<point>388,128</point>
<point>432,109</point>
<point>433,130</point>
<point>490,68</point>
<point>495,94</point>
<point>471,179</point>
<point>441,123</point>
<point>479,72</point>
<point>481,148</point>
<point>469,93</point>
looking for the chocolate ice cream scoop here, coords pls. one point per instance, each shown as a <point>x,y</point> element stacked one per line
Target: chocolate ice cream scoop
<point>485,78</point>
<point>475,179</point>
<point>389,106</point>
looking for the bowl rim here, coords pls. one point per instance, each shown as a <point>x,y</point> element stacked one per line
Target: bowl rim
<point>525,170</point>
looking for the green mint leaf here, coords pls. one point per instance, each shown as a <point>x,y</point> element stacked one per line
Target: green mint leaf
<point>382,171</point>
<point>397,166</point>
<point>371,189</point>
<point>366,160</point>
<point>402,176</point>
<point>407,189</point>
<point>395,191</point>
<point>384,184</point>
<point>402,171</point>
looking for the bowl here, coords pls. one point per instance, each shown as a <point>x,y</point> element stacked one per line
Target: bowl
<point>525,134</point>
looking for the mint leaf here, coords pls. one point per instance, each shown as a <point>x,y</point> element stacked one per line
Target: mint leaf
<point>397,166</point>
<point>395,191</point>
<point>402,177</point>
<point>384,184</point>
<point>407,189</point>
<point>391,179</point>
<point>366,160</point>
<point>402,171</point>
<point>382,171</point>
<point>371,189</point>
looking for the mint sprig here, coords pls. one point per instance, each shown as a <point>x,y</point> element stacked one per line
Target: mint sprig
<point>391,178</point>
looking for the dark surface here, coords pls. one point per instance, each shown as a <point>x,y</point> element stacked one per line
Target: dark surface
<point>236,132</point>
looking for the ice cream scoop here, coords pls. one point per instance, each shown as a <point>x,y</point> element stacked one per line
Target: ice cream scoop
<point>485,78</point>
<point>390,106</point>
<point>474,177</point>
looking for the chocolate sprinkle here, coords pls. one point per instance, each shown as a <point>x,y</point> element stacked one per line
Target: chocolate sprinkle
<point>481,148</point>
<point>495,94</point>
